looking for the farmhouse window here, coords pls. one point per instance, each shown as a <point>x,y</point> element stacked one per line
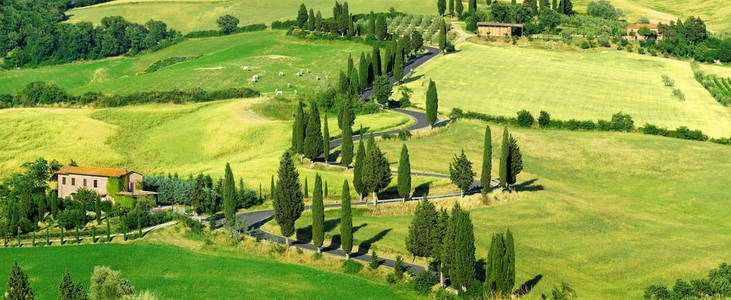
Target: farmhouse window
<point>63,180</point>
<point>73,181</point>
<point>94,182</point>
<point>84,182</point>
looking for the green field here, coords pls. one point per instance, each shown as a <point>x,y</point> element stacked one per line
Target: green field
<point>220,66</point>
<point>609,213</point>
<point>196,15</point>
<point>165,138</point>
<point>582,85</point>
<point>175,273</point>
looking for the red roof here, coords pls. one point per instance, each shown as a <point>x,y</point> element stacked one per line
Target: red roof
<point>94,171</point>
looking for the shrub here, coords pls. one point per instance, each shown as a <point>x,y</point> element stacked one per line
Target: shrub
<point>107,284</point>
<point>604,41</point>
<point>525,119</point>
<point>351,266</point>
<point>375,262</point>
<point>585,45</point>
<point>563,292</point>
<point>423,282</point>
<point>544,119</point>
<point>622,122</point>
<point>398,268</point>
<point>641,50</point>
<point>667,80</point>
<point>404,134</point>
<point>678,94</point>
<point>387,136</point>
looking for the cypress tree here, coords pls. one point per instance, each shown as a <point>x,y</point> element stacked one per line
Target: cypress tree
<point>318,214</point>
<point>271,188</point>
<point>197,195</point>
<point>460,172</point>
<point>398,67</point>
<point>448,246</point>
<point>313,137</point>
<point>404,173</point>
<point>326,195</point>
<point>533,5</point>
<point>354,83</point>
<point>376,57</point>
<point>298,130</point>
<point>229,193</point>
<point>440,231</point>
<point>544,4</point>
<point>388,60</point>
<point>510,261</point>
<point>472,6</point>
<point>381,28</point>
<point>346,221</point>
<point>451,7</point>
<point>358,169</point>
<point>460,8</point>
<point>325,140</point>
<point>346,148</point>
<point>318,21</point>
<point>494,273</point>
<point>443,33</point>
<point>504,155</point>
<point>98,208</point>
<point>343,83</point>
<point>464,263</point>
<point>302,16</point>
<point>376,171</point>
<point>372,25</point>
<point>363,72</point>
<point>485,177</point>
<point>419,241</point>
<point>554,5</point>
<point>288,204</point>
<point>432,103</point>
<point>311,20</point>
<point>109,230</point>
<point>515,161</point>
<point>441,7</point>
<point>18,284</point>
<point>307,194</point>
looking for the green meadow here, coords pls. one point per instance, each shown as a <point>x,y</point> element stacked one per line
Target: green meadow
<point>570,84</point>
<point>195,15</point>
<point>170,272</point>
<point>219,65</point>
<point>609,213</point>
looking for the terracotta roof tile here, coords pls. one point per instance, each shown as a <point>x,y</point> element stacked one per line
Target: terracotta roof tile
<point>105,172</point>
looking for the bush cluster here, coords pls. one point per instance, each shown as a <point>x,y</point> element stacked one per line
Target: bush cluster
<point>717,285</point>
<point>240,29</point>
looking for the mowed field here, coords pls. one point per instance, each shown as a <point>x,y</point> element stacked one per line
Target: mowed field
<point>609,213</point>
<point>219,66</point>
<point>196,15</point>
<point>170,272</point>
<point>568,84</point>
<point>165,138</point>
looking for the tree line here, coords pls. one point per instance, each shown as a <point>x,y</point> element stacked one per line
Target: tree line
<point>45,93</point>
<point>33,33</point>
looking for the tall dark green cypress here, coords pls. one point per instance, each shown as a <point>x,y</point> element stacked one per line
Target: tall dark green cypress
<point>554,5</point>
<point>311,20</point>
<point>381,27</point>
<point>404,173</point>
<point>448,245</point>
<point>271,188</point>
<point>376,57</point>
<point>298,130</point>
<point>443,35</point>
<point>363,71</point>
<point>350,63</point>
<point>510,261</point>
<point>318,214</point>
<point>326,195</point>
<point>432,103</point>
<point>504,155</point>
<point>419,240</point>
<point>325,140</point>
<point>515,161</point>
<point>464,262</point>
<point>440,230</point>
<point>306,193</point>
<point>459,8</point>
<point>376,170</point>
<point>460,172</point>
<point>360,158</point>
<point>229,194</point>
<point>302,16</point>
<point>451,7</point>
<point>472,6</point>
<point>346,148</point>
<point>346,221</point>
<point>485,177</point>
<point>500,268</point>
<point>313,136</point>
<point>398,67</point>
<point>441,7</point>
<point>18,284</point>
<point>288,204</point>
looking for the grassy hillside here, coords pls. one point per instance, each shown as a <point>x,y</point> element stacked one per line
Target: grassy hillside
<point>609,213</point>
<point>176,273</point>
<point>161,139</point>
<point>567,84</point>
<point>219,66</point>
<point>196,15</point>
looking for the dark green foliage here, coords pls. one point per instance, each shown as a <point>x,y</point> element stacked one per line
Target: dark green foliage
<point>472,6</point>
<point>346,149</point>
<point>441,7</point>
<point>360,159</point>
<point>715,286</point>
<point>464,257</point>
<point>375,261</point>
<point>288,205</point>
<point>398,68</point>
<point>382,89</point>
<point>298,130</point>
<point>554,5</point>
<point>325,139</point>
<point>229,194</point>
<point>271,188</point>
<point>363,71</point>
<point>311,20</point>
<point>212,33</point>
<point>318,214</point>
<point>500,268</point>
<point>404,173</point>
<point>451,7</point>
<point>381,28</point>
<point>460,172</point>
<point>313,143</point>
<point>459,8</point>
<point>398,267</point>
<point>306,193</point>
<point>602,9</point>
<point>565,292</point>
<point>544,119</point>
<point>432,103</point>
<point>532,5</point>
<point>486,176</point>
<point>515,161</point>
<point>443,35</point>
<point>68,290</point>
<point>504,156</point>
<point>376,171</point>
<point>376,61</point>
<point>423,282</point>
<point>566,7</point>
<point>525,119</point>
<point>346,220</point>
<point>622,122</point>
<point>227,23</point>
<point>509,260</point>
<point>18,285</point>
<point>351,266</point>
<point>419,241</point>
<point>302,16</point>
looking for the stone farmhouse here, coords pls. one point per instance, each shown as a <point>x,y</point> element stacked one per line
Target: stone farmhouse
<point>107,182</point>
<point>633,31</point>
<point>497,29</point>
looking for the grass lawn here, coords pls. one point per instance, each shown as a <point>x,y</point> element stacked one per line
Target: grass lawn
<point>569,84</point>
<point>195,15</point>
<point>176,273</point>
<point>166,138</point>
<point>609,213</point>
<point>219,66</point>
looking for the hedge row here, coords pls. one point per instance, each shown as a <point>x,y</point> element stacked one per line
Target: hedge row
<point>210,33</point>
<point>619,122</point>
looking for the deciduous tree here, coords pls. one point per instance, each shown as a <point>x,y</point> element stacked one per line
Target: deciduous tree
<point>228,23</point>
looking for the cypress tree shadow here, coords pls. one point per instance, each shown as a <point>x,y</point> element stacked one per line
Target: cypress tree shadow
<point>334,242</point>
<point>422,189</point>
<point>365,246</point>
<point>527,286</point>
<point>356,134</point>
<point>413,78</point>
<point>480,269</point>
<point>334,155</point>
<point>390,192</point>
<point>527,186</point>
<point>304,234</point>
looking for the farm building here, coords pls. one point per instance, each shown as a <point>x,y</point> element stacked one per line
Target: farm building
<point>634,34</point>
<point>107,182</point>
<point>497,29</point>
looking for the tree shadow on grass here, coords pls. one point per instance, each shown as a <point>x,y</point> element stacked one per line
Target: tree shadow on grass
<point>412,79</point>
<point>422,189</point>
<point>389,193</point>
<point>527,286</point>
<point>305,234</point>
<point>480,269</point>
<point>356,134</point>
<point>365,246</point>
<point>528,186</point>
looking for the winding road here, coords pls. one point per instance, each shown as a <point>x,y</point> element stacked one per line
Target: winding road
<point>256,219</point>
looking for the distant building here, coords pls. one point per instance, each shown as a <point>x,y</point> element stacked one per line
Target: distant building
<point>633,31</point>
<point>123,181</point>
<point>497,29</point>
